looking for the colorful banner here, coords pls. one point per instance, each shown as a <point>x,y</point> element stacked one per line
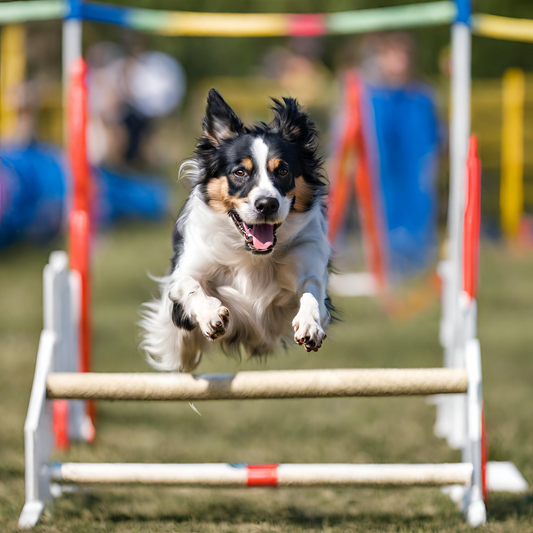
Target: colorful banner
<point>185,23</point>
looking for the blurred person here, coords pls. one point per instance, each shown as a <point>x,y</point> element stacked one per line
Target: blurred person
<point>129,90</point>
<point>299,70</point>
<point>35,181</point>
<point>106,136</point>
<point>387,60</point>
<point>24,99</point>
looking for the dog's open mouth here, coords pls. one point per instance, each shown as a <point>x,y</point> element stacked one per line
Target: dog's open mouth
<point>259,238</point>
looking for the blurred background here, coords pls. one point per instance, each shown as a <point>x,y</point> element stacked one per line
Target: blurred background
<point>146,103</point>
<point>147,93</point>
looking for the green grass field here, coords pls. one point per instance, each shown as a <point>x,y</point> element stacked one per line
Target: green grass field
<point>336,430</point>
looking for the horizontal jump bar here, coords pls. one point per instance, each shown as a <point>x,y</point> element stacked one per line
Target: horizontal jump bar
<point>257,385</point>
<point>283,475</point>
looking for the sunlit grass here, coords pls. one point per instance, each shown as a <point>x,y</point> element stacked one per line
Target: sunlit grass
<point>349,430</point>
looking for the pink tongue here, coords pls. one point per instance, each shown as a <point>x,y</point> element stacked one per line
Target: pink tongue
<point>263,235</point>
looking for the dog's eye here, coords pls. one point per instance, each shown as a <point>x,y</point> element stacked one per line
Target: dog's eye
<point>239,173</point>
<point>283,172</point>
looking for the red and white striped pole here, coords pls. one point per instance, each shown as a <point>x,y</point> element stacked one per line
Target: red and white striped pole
<point>79,220</point>
<point>79,224</point>
<point>269,475</point>
<point>471,235</point>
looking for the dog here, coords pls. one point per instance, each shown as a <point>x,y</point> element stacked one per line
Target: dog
<point>251,253</point>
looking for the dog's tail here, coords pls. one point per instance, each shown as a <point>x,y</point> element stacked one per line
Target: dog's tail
<point>166,346</point>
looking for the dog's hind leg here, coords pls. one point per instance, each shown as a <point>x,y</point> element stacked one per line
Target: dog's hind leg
<point>168,343</point>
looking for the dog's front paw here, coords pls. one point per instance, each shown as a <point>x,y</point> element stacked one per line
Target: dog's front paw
<point>214,320</point>
<point>309,332</point>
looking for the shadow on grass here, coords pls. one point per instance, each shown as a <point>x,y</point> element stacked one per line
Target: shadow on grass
<point>295,517</point>
<point>278,516</point>
<point>504,506</point>
<point>8,473</point>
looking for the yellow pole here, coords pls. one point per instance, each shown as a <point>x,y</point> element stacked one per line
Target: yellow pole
<point>512,165</point>
<point>12,73</point>
<point>507,28</point>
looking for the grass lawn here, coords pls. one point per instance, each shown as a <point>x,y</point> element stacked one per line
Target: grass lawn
<point>335,430</point>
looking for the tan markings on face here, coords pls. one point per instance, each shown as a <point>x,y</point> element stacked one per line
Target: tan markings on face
<point>217,192</point>
<point>236,201</point>
<point>247,163</point>
<point>302,193</point>
<point>273,164</point>
<point>218,197</point>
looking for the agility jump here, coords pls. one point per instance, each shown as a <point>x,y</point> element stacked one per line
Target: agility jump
<point>57,383</point>
<point>58,388</point>
<point>53,386</point>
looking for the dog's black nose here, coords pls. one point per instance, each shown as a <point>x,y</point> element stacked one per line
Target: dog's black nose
<point>267,205</point>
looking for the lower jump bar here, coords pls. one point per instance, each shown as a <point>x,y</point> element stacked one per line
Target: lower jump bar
<point>258,385</point>
<point>283,475</point>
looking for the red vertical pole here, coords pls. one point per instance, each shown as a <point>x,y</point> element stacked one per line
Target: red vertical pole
<point>60,423</point>
<point>79,221</point>
<point>472,217</point>
<point>365,187</point>
<point>353,139</point>
<point>471,231</point>
<point>340,189</point>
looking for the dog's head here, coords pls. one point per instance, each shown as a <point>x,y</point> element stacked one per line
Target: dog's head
<point>258,176</point>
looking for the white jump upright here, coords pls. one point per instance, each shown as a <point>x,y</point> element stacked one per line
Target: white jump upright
<point>450,422</point>
<point>58,348</point>
<point>56,380</point>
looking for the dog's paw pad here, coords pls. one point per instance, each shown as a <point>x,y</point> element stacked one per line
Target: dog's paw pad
<point>215,322</point>
<point>308,334</point>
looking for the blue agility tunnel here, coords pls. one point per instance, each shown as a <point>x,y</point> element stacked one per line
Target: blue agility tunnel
<point>34,199</point>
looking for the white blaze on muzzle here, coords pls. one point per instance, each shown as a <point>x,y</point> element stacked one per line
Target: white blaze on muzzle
<point>265,187</point>
<point>260,157</point>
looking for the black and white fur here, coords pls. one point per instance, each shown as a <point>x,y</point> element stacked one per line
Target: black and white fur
<point>222,288</point>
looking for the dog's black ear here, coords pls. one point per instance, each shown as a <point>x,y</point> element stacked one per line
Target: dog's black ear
<point>293,123</point>
<point>220,122</point>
